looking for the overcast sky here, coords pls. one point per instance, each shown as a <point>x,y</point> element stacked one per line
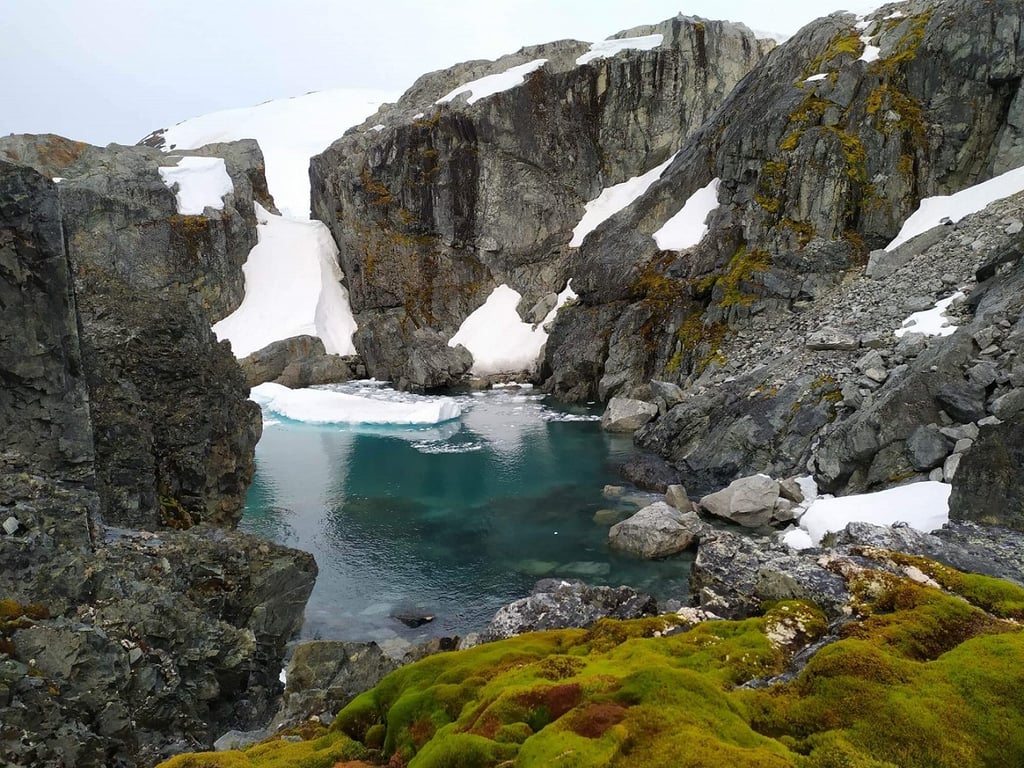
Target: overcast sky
<point>114,70</point>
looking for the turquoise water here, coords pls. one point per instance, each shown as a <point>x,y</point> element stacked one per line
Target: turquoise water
<point>453,520</point>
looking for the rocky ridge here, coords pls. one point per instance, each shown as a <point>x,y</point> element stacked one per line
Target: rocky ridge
<point>434,201</point>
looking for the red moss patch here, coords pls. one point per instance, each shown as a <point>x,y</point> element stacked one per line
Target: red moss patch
<point>594,721</point>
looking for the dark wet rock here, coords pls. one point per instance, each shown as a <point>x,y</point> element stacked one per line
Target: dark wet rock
<point>561,604</point>
<point>657,530</point>
<point>299,361</point>
<point>43,419</point>
<point>987,487</point>
<point>649,473</point>
<point>323,676</point>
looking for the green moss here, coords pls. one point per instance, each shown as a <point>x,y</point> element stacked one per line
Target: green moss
<point>741,273</point>
<point>919,678</point>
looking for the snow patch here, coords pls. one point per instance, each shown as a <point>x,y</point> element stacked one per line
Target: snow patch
<point>497,337</point>
<point>324,406</point>
<point>931,322</point>
<point>201,183</point>
<point>924,506</point>
<point>871,52</point>
<point>492,84</point>
<point>289,131</point>
<point>608,48</point>
<point>612,200</point>
<point>932,210</point>
<point>378,127</point>
<point>292,287</point>
<point>816,78</point>
<point>688,227</point>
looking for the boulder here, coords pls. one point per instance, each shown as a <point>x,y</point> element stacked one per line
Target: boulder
<point>658,530</point>
<point>299,361</point>
<point>561,604</point>
<point>927,448</point>
<point>825,339</point>
<point>964,401</point>
<point>675,495</point>
<point>749,501</point>
<point>626,415</point>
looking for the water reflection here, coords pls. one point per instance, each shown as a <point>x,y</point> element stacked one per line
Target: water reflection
<point>452,521</point>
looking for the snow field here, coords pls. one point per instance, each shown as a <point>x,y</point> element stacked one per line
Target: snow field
<point>688,227</point>
<point>932,210</point>
<point>492,84</point>
<point>497,337</point>
<point>607,48</point>
<point>291,288</point>
<point>612,200</point>
<point>201,183</point>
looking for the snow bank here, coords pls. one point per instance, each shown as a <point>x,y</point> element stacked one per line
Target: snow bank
<point>292,287</point>
<point>323,406</point>
<point>492,84</point>
<point>607,48</point>
<point>499,339</point>
<point>686,228</point>
<point>931,322</point>
<point>933,210</point>
<point>614,199</point>
<point>202,183</point>
<point>289,131</point>
<point>924,506</point>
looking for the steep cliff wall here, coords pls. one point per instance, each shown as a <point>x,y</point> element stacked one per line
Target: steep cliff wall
<point>819,156</point>
<point>436,200</point>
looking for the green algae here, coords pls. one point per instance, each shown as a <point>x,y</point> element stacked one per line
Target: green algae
<point>921,676</point>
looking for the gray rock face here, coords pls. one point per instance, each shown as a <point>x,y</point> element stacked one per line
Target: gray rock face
<point>987,485</point>
<point>45,421</point>
<point>324,676</point>
<point>626,415</point>
<point>120,216</point>
<point>927,448</point>
<point>299,361</point>
<point>749,501</point>
<point>119,405</point>
<point>658,530</point>
<point>559,604</point>
<point>649,473</point>
<point>433,211</point>
<point>813,176</point>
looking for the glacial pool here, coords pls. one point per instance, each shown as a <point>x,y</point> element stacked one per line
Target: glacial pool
<point>451,520</point>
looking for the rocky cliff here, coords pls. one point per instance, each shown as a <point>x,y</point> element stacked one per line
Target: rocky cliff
<point>817,158</point>
<point>441,197</point>
<point>119,646</point>
<point>175,433</point>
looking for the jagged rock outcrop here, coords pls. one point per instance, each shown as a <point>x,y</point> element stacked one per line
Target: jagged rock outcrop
<point>121,217</point>
<point>434,204</point>
<point>987,487</point>
<point>813,173</point>
<point>119,647</point>
<point>175,433</point>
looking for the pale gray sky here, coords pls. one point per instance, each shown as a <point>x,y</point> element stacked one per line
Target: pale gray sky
<point>113,70</point>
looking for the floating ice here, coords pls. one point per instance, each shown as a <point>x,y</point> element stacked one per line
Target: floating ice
<point>324,406</point>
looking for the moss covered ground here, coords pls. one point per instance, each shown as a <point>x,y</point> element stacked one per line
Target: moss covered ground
<point>925,674</point>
